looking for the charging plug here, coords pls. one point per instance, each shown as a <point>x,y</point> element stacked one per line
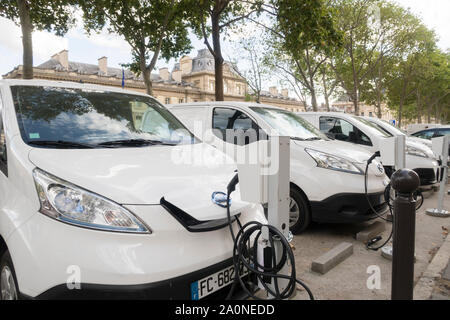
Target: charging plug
<point>376,154</point>
<point>232,184</point>
<point>374,240</point>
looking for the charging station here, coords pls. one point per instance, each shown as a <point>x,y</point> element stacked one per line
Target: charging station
<point>440,148</point>
<point>271,169</point>
<point>392,154</point>
<point>273,262</point>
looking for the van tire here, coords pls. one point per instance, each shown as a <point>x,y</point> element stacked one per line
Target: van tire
<point>304,213</point>
<point>6,266</point>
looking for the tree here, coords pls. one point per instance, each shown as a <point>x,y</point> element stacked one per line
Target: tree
<point>32,15</point>
<point>405,71</point>
<point>303,35</point>
<point>329,83</point>
<point>250,53</point>
<point>222,15</point>
<point>373,30</point>
<point>152,28</point>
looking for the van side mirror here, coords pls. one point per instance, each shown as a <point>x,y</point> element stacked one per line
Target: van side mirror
<point>330,135</point>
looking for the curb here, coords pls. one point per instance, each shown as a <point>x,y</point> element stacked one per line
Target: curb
<point>424,287</point>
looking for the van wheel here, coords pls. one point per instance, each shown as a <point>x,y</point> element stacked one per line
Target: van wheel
<point>8,281</point>
<point>299,213</point>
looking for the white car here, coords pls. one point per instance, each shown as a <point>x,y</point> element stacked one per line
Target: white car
<point>359,131</point>
<point>92,206</point>
<point>411,140</point>
<point>327,178</point>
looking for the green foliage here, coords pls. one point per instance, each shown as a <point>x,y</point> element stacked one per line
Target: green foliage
<point>152,28</point>
<point>306,25</point>
<point>48,15</point>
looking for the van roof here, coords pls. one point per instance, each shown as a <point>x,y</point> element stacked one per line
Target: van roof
<point>340,114</point>
<point>212,104</point>
<point>66,84</point>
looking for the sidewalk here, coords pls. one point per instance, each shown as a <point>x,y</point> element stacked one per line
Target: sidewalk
<point>434,283</point>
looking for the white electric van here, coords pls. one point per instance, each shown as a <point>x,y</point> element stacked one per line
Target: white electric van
<point>411,140</point>
<point>93,204</point>
<point>327,178</point>
<point>359,131</point>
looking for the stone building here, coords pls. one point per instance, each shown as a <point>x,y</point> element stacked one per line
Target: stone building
<point>191,79</point>
<point>343,104</point>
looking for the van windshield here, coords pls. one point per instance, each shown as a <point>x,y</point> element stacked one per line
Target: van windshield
<point>69,117</point>
<point>374,128</point>
<point>289,124</point>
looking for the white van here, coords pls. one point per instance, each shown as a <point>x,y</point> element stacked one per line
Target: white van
<point>359,131</point>
<point>93,206</point>
<point>327,178</point>
<point>410,140</point>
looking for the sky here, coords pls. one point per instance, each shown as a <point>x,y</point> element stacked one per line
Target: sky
<point>84,48</point>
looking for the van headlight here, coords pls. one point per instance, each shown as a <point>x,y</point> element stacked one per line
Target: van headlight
<point>68,203</point>
<point>332,162</point>
<point>415,152</point>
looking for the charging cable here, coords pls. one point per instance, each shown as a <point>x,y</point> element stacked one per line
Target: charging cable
<point>245,255</point>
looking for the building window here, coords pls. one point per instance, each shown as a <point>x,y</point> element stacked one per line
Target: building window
<point>167,101</point>
<point>370,114</point>
<point>239,89</point>
<point>362,114</point>
<point>225,86</point>
<point>212,86</point>
<point>181,100</point>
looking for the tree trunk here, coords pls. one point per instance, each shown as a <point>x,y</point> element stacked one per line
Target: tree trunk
<point>146,74</point>
<point>327,102</point>
<point>325,92</point>
<point>218,59</point>
<point>355,99</point>
<point>419,108</point>
<point>27,42</point>
<point>400,110</point>
<point>314,99</point>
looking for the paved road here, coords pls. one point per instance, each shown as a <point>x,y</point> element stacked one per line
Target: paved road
<point>348,280</point>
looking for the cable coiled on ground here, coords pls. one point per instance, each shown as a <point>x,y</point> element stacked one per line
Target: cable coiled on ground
<point>245,254</point>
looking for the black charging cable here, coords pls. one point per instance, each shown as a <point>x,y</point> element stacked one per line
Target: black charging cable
<point>387,199</point>
<point>245,251</point>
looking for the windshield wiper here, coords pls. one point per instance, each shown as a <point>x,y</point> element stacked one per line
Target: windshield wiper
<point>313,139</point>
<point>62,144</point>
<point>297,138</point>
<point>133,142</point>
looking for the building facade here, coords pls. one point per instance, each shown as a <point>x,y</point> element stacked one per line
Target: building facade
<point>191,79</point>
<point>343,104</point>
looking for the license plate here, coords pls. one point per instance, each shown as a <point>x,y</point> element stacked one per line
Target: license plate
<point>214,282</point>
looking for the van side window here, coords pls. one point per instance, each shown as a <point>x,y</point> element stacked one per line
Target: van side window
<point>232,122</point>
<point>343,130</point>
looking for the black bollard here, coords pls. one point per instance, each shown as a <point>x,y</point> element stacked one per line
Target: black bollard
<point>405,182</point>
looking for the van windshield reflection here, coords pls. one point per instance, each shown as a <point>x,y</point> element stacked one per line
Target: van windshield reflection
<point>76,118</point>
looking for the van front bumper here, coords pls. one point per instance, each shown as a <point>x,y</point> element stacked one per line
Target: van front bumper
<point>348,208</point>
<point>178,288</point>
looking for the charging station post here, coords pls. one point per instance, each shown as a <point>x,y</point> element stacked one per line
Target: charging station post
<point>440,148</point>
<point>271,172</point>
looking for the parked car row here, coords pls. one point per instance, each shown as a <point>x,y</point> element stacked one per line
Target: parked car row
<point>327,177</point>
<point>90,191</point>
<point>370,133</point>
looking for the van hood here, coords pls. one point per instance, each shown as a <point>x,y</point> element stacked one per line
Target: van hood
<point>348,151</point>
<point>186,176</point>
<point>426,142</point>
<point>419,146</point>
